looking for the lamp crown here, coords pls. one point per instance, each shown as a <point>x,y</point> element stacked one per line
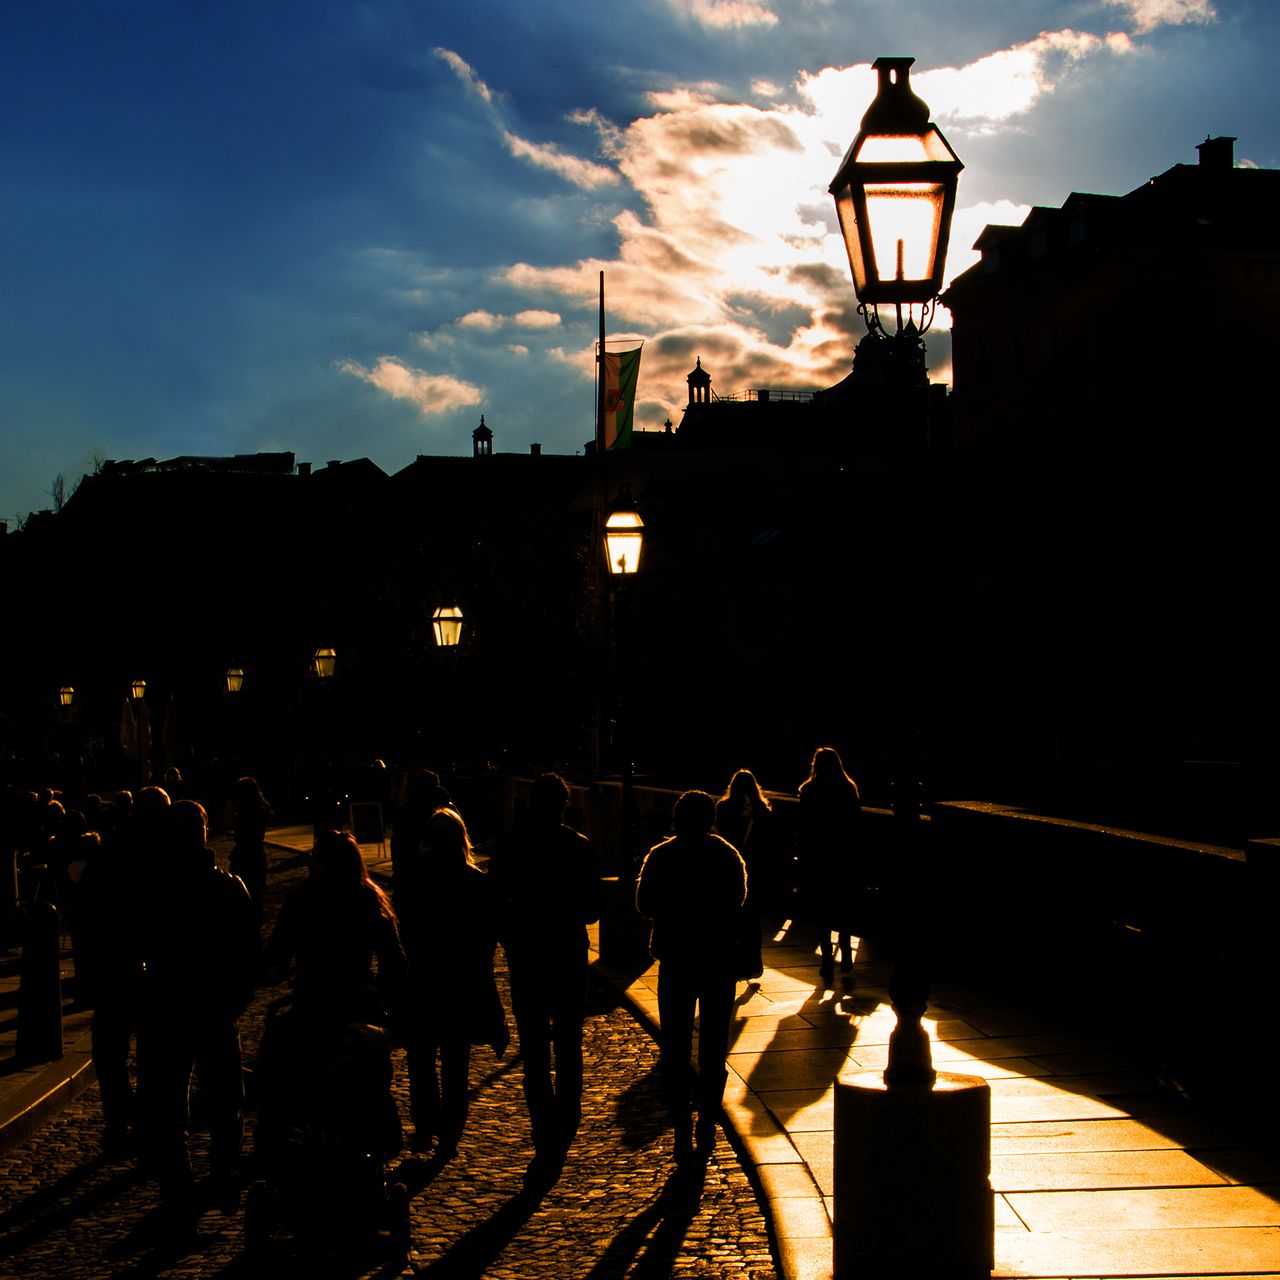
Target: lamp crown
<point>895,109</point>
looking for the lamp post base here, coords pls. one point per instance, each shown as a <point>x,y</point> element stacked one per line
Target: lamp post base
<point>913,1179</point>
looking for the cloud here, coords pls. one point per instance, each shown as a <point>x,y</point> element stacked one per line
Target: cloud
<point>488,321</point>
<point>725,14</point>
<point>979,96</point>
<point>536,319</point>
<point>1147,15</point>
<point>545,155</point>
<point>586,174</point>
<point>727,245</point>
<point>428,392</point>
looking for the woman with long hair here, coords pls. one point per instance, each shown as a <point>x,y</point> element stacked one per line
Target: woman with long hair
<point>830,855</point>
<point>448,916</point>
<point>744,817</point>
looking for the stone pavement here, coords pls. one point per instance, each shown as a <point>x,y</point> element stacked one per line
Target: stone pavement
<point>1099,1167</point>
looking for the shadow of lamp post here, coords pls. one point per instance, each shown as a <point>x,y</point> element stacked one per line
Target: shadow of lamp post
<point>912,1147</point>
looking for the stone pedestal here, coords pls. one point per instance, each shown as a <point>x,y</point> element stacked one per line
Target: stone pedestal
<point>913,1179</point>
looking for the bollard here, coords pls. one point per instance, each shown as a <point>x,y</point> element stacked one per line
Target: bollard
<point>913,1197</point>
<point>40,985</point>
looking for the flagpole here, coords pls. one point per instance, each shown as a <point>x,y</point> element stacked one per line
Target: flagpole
<point>600,378</point>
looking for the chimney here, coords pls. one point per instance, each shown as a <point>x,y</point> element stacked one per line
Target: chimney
<point>1217,153</point>
<point>536,450</point>
<point>304,468</point>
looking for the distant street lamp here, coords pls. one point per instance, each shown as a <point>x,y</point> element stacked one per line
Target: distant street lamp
<point>623,537</point>
<point>446,622</point>
<point>66,695</point>
<point>138,689</point>
<point>235,679</point>
<point>323,662</point>
<point>895,193</point>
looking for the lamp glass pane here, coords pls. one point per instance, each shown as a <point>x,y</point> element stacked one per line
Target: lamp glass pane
<point>905,219</point>
<point>446,622</point>
<point>890,148</point>
<point>323,663</point>
<point>623,541</point>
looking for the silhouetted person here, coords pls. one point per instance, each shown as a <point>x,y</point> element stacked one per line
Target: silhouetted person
<point>200,949</point>
<point>830,867</point>
<point>109,977</point>
<point>249,853</point>
<point>744,818</point>
<point>448,922</point>
<point>424,794</point>
<point>339,931</point>
<point>549,890</point>
<point>692,888</point>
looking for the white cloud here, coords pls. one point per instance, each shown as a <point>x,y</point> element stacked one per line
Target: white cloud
<point>485,320</point>
<point>428,392</point>
<point>724,14</point>
<point>1147,15</point>
<point>545,155</point>
<point>536,319</point>
<point>981,95</point>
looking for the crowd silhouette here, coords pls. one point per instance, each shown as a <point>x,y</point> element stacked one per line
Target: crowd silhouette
<point>169,948</point>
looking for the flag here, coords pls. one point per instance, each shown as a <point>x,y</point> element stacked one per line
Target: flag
<point>621,372</point>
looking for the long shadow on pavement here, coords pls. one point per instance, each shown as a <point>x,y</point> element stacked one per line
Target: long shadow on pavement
<point>653,1238</point>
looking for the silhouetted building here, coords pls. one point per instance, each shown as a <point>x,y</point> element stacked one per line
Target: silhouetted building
<point>1115,468</point>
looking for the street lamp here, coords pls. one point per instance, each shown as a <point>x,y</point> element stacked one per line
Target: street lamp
<point>623,537</point>
<point>895,193</point>
<point>323,662</point>
<point>446,622</point>
<point>65,695</point>
<point>138,689</point>
<point>235,679</point>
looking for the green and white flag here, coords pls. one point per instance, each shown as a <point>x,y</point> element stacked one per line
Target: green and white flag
<point>621,373</point>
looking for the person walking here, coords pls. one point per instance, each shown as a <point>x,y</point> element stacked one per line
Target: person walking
<point>549,891</point>
<point>744,818</point>
<point>448,923</point>
<point>830,870</point>
<point>200,956</point>
<point>692,887</point>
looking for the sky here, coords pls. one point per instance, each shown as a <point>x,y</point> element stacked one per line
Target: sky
<point>349,229</point>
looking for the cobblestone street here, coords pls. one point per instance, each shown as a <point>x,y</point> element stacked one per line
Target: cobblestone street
<point>617,1210</point>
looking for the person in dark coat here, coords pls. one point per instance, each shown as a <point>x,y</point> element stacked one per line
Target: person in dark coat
<point>744,818</point>
<point>338,930</point>
<point>692,888</point>
<point>200,955</point>
<point>548,888</point>
<point>448,922</point>
<point>249,853</point>
<point>831,871</point>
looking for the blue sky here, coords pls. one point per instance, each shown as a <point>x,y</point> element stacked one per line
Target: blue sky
<point>350,229</point>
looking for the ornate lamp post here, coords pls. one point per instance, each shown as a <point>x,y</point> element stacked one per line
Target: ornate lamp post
<point>66,695</point>
<point>912,1146</point>
<point>323,663</point>
<point>446,623</point>
<point>895,193</point>
<point>235,679</point>
<point>138,690</point>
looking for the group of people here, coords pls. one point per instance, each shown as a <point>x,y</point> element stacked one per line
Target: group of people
<point>170,946</point>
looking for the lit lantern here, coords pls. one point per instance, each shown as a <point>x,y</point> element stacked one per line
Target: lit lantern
<point>65,695</point>
<point>139,690</point>
<point>235,679</point>
<point>623,537</point>
<point>895,194</point>
<point>446,622</point>
<point>323,662</point>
